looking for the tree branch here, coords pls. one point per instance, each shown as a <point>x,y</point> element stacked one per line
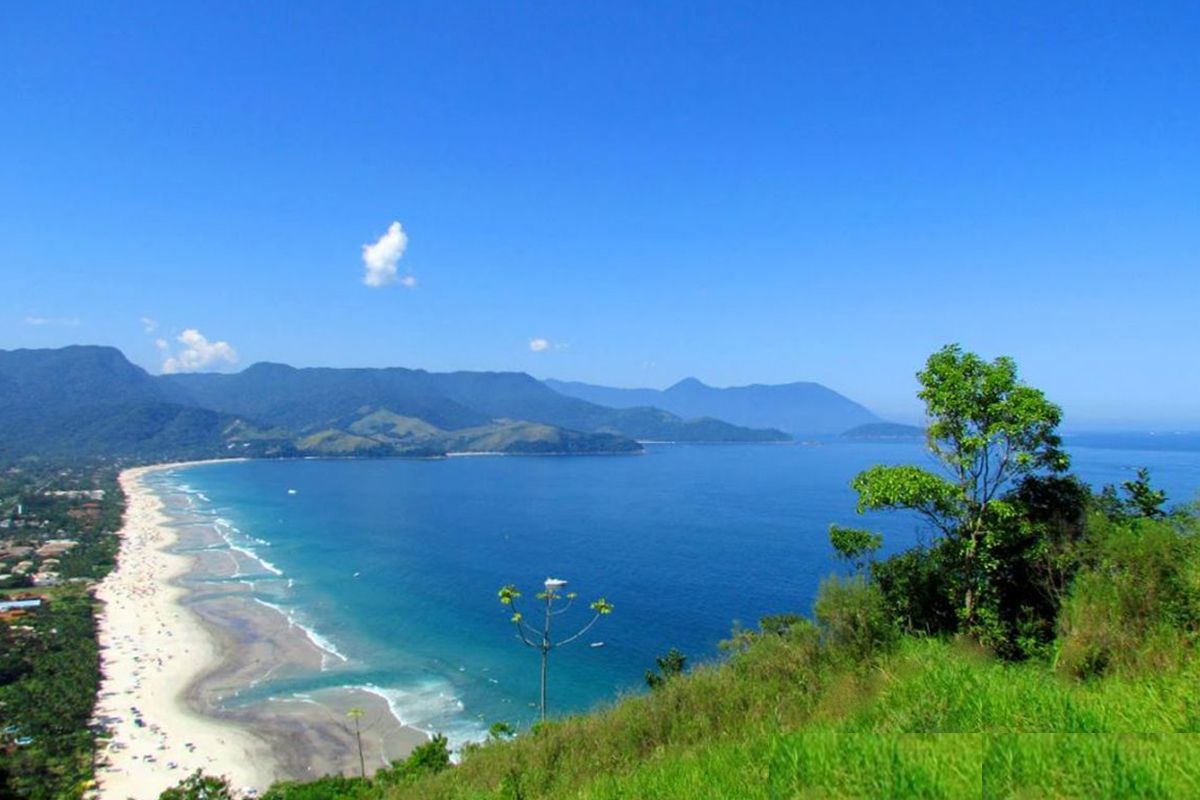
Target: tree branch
<point>582,631</point>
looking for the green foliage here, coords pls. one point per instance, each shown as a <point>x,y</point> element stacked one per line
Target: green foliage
<point>981,416</point>
<point>917,590</point>
<point>1145,499</point>
<point>782,624</point>
<point>330,787</point>
<point>199,786</point>
<point>1130,765</point>
<point>906,487</point>
<point>788,717</point>
<point>987,429</point>
<point>49,682</point>
<point>499,731</point>
<point>601,606</point>
<point>1137,599</point>
<point>854,545</point>
<point>429,758</point>
<point>1140,500</point>
<point>853,619</point>
<point>670,666</point>
<point>426,759</point>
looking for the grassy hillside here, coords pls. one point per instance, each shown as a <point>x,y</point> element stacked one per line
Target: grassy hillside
<point>849,705</point>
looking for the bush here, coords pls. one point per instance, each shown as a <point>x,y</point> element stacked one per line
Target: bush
<point>853,619</point>
<point>199,786</point>
<point>331,787</point>
<point>916,590</point>
<point>426,759</point>
<point>670,666</point>
<point>1137,602</point>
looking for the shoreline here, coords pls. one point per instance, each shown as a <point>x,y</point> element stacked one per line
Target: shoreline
<point>171,653</point>
<point>151,650</point>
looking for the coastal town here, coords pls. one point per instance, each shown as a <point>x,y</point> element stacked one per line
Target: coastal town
<point>58,539</point>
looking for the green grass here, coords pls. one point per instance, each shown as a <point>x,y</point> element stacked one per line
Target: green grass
<point>934,719</point>
<point>1085,766</point>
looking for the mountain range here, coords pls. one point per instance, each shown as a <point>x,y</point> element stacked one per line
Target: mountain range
<point>90,400</point>
<point>800,409</point>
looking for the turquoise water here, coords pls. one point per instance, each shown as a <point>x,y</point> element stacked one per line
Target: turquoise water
<point>393,565</point>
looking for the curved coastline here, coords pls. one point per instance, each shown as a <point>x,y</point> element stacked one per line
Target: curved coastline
<point>173,649</point>
<point>152,650</point>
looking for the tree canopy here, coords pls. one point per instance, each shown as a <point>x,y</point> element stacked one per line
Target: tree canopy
<point>988,430</point>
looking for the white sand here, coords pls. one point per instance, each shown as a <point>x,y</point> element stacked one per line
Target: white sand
<point>153,648</point>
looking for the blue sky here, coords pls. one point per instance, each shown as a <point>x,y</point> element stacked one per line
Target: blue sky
<point>741,192</point>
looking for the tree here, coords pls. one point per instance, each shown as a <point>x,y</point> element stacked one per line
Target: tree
<point>669,666</point>
<point>540,639</point>
<point>199,786</point>
<point>356,715</point>
<point>988,430</point>
<point>1144,500</point>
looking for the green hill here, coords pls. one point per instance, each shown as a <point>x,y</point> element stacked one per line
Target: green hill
<point>308,399</point>
<point>884,430</point>
<point>87,401</point>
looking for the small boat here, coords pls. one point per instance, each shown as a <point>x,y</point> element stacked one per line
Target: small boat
<point>291,491</point>
<point>596,644</point>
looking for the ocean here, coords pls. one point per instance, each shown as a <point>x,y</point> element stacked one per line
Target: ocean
<point>392,566</point>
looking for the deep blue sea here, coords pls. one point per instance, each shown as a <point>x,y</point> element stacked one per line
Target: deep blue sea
<point>395,564</point>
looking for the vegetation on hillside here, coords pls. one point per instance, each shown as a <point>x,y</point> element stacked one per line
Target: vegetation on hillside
<point>49,657</point>
<point>1040,608</point>
<point>87,402</point>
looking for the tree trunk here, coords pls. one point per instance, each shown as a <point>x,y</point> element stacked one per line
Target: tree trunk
<point>545,654</point>
<point>362,764</point>
<point>969,598</point>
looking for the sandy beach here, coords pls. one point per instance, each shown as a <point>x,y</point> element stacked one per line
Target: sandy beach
<point>170,655</point>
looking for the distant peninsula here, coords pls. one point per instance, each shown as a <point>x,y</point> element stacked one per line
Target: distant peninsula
<point>884,430</point>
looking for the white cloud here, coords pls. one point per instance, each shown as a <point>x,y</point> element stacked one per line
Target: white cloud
<point>161,344</point>
<point>539,345</point>
<point>149,325</point>
<point>197,353</point>
<point>380,259</point>
<point>68,321</point>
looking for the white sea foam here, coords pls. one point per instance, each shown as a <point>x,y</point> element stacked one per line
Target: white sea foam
<point>224,523</point>
<point>253,556</point>
<point>327,647</point>
<point>271,568</point>
<point>431,707</point>
<point>225,529</point>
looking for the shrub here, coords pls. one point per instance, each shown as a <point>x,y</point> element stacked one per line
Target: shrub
<point>853,619</point>
<point>331,787</point>
<point>426,759</point>
<point>1137,603</point>
<point>916,590</point>
<point>670,666</point>
<point>199,786</point>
